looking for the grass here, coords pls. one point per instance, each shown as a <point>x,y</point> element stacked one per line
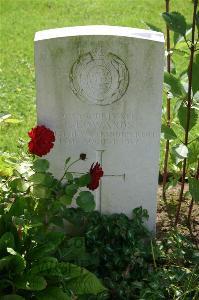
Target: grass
<point>20,19</point>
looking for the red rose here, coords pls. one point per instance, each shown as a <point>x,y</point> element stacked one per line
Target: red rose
<point>96,173</point>
<point>42,140</point>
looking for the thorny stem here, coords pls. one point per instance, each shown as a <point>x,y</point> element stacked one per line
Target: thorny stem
<point>166,158</point>
<point>192,200</point>
<point>189,103</point>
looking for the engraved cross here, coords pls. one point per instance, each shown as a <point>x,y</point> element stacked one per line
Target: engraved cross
<point>99,154</point>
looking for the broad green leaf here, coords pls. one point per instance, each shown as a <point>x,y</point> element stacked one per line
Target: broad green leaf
<point>86,201</point>
<point>193,154</point>
<point>86,284</point>
<point>5,262</point>
<point>182,116</point>
<point>197,20</point>
<point>38,268</point>
<point>176,38</point>
<point>194,188</point>
<point>14,263</point>
<point>41,165</point>
<point>12,297</point>
<point>84,180</point>
<point>71,189</point>
<point>6,240</point>
<point>53,293</point>
<point>42,178</point>
<point>19,184</point>
<point>31,283</point>
<point>195,75</point>
<point>168,133</point>
<point>174,84</point>
<point>153,27</point>
<point>38,178</point>
<point>66,200</point>
<point>175,21</point>
<point>41,191</point>
<point>181,151</point>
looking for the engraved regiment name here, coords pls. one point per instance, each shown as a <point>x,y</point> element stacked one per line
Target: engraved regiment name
<point>101,129</point>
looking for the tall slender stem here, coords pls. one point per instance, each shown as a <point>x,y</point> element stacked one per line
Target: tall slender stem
<point>189,103</point>
<point>167,146</point>
<point>192,200</point>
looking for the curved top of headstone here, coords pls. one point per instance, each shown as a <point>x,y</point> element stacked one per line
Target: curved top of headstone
<point>103,30</point>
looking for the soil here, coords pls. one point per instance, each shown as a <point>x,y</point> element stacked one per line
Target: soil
<point>166,214</point>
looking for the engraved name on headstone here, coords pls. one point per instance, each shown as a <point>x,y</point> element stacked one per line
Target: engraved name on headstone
<point>100,88</point>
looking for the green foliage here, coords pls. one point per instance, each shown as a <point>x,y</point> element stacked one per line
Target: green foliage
<point>174,84</point>
<point>182,115</point>
<point>168,133</point>
<point>126,259</point>
<point>86,201</point>
<point>194,188</point>
<point>195,81</point>
<point>176,22</point>
<point>33,260</point>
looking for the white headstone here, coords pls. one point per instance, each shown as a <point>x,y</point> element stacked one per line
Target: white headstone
<point>100,89</point>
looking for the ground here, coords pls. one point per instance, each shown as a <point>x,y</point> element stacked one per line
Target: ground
<point>165,223</point>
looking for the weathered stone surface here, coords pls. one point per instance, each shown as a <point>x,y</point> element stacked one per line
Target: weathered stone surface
<point>100,88</point>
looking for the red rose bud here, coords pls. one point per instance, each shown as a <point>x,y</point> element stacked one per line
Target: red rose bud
<point>42,140</point>
<point>96,173</point>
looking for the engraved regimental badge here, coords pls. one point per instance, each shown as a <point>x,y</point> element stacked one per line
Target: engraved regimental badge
<point>99,78</point>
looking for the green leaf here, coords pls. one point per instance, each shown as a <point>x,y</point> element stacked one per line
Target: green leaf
<point>41,191</point>
<point>38,178</point>
<point>71,189</point>
<point>194,188</point>
<point>181,151</point>
<point>19,184</point>
<point>42,178</point>
<point>197,20</point>
<point>66,200</point>
<point>84,180</point>
<point>6,240</point>
<point>14,263</point>
<point>41,165</point>
<point>86,284</point>
<point>12,297</point>
<point>40,267</point>
<point>86,201</point>
<point>168,133</point>
<point>195,75</point>
<point>193,154</point>
<point>31,283</point>
<point>175,21</point>
<point>153,27</point>
<point>174,84</point>
<point>52,293</point>
<point>182,116</point>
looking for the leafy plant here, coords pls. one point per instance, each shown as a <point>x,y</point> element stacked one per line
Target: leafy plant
<point>31,208</point>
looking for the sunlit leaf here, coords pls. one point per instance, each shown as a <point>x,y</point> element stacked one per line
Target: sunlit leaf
<point>175,21</point>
